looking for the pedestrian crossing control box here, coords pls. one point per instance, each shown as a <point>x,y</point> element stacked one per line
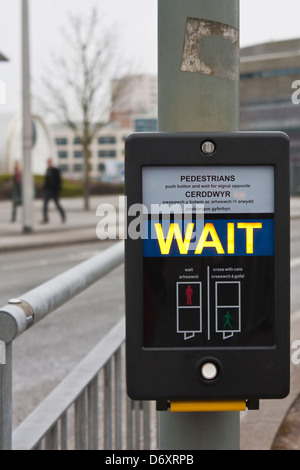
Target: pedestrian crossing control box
<point>207,266</point>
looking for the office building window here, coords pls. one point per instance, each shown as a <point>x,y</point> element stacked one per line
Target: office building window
<point>79,153</point>
<point>107,153</point>
<point>107,139</point>
<point>61,141</point>
<point>63,168</point>
<point>77,167</point>
<point>62,154</point>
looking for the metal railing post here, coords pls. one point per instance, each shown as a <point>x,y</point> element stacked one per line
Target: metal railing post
<point>198,91</point>
<point>118,399</point>
<point>6,400</point>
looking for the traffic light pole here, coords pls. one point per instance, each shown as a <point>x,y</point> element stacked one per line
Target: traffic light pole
<point>198,91</point>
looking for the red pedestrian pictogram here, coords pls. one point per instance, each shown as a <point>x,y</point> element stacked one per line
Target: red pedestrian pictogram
<point>189,293</point>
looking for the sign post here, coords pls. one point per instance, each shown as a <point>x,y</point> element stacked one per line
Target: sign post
<point>197,102</point>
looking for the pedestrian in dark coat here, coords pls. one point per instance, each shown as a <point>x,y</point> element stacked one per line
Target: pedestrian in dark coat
<point>52,188</point>
<point>16,191</point>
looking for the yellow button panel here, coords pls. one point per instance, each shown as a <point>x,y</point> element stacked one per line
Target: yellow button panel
<point>239,405</point>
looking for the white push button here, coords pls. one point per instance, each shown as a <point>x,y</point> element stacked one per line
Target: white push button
<point>209,371</point>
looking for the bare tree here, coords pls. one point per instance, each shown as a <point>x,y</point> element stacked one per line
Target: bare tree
<point>77,85</point>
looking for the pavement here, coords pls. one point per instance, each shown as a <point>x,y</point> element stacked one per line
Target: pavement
<point>80,225</point>
<point>258,428</point>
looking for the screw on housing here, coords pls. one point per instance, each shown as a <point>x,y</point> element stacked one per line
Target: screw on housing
<point>208,147</point>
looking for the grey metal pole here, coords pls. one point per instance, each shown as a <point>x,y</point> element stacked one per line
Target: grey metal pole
<point>198,91</point>
<point>198,65</point>
<point>6,400</point>
<point>27,179</point>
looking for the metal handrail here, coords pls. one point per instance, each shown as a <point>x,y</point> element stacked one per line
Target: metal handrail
<point>24,312</point>
<point>21,313</point>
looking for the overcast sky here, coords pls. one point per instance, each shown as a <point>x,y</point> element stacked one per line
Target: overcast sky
<point>261,20</point>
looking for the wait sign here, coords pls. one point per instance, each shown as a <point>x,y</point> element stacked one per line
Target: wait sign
<point>207,282</point>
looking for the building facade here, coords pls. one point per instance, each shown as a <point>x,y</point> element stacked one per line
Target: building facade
<point>268,73</point>
<point>132,95</point>
<point>106,152</point>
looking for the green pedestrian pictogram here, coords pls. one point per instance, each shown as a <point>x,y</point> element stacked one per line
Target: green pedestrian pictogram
<point>226,320</point>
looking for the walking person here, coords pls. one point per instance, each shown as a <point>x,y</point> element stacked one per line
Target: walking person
<point>52,189</point>
<point>16,190</point>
